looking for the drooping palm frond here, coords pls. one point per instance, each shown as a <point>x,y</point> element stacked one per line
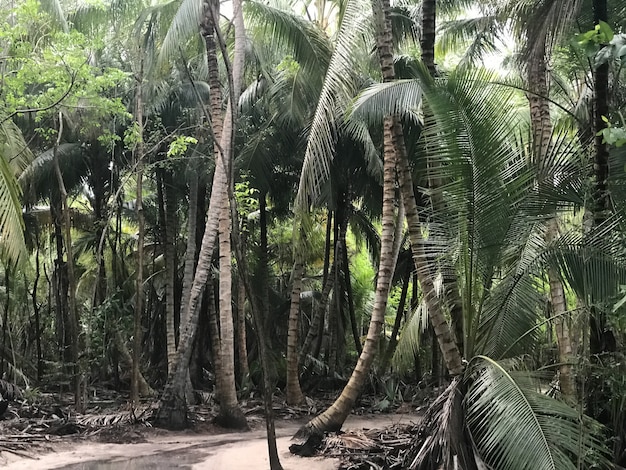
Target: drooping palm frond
<point>35,180</point>
<point>184,25</point>
<point>478,36</point>
<point>339,86</point>
<point>513,425</point>
<point>408,346</point>
<point>401,97</point>
<point>278,27</point>
<point>15,155</point>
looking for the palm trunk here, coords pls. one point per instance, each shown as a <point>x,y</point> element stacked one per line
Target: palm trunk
<point>294,392</point>
<point>601,339</point>
<point>318,315</point>
<point>169,250</point>
<point>427,41</point>
<point>172,410</point>
<point>333,418</point>
<point>230,414</point>
<point>541,125</point>
<point>447,345</point>
<point>139,291</point>
<point>393,340</point>
<point>449,349</point>
<point>242,345</point>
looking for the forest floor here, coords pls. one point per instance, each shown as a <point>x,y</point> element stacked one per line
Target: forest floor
<point>108,437</point>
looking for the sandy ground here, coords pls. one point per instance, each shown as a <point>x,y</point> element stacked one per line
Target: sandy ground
<point>233,451</point>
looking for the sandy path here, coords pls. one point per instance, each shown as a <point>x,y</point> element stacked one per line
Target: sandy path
<point>236,451</point>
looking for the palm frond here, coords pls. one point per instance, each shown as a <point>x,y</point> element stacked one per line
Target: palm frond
<point>55,10</point>
<point>184,25</point>
<point>338,88</point>
<point>514,425</point>
<point>402,97</point>
<point>408,346</point>
<point>309,46</point>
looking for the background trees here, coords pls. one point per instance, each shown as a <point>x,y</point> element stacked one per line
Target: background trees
<point>320,138</point>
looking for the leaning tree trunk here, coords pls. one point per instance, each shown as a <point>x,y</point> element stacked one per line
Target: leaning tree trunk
<point>333,418</point>
<point>450,351</point>
<point>172,410</point>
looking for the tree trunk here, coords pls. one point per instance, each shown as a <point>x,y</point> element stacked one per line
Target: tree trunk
<point>333,418</point>
<point>601,339</point>
<point>447,345</point>
<point>393,340</point>
<point>318,315</point>
<point>172,410</point>
<point>294,392</point>
<point>427,41</point>
<point>169,251</point>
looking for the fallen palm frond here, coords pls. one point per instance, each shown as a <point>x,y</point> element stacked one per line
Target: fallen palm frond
<point>369,449</point>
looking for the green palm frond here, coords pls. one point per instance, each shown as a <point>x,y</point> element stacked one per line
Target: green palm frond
<point>339,87</point>
<point>11,222</point>
<point>15,155</point>
<point>184,25</point>
<point>514,425</point>
<point>279,27</point>
<point>410,339</point>
<point>35,180</point>
<point>357,131</point>
<point>478,35</point>
<point>382,99</point>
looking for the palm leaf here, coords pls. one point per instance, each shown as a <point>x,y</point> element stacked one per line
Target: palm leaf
<point>514,425</point>
<point>339,86</point>
<point>185,24</point>
<point>402,97</point>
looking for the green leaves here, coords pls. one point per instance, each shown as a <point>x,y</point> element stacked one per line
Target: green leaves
<point>514,425</point>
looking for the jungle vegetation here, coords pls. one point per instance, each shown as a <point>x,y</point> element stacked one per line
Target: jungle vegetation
<point>273,195</point>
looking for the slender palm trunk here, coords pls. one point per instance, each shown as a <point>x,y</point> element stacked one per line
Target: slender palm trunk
<point>541,125</point>
<point>333,418</point>
<point>139,292</point>
<point>318,315</point>
<point>242,345</point>
<point>168,229</point>
<point>294,392</point>
<point>447,345</point>
<point>601,339</point>
<point>427,41</point>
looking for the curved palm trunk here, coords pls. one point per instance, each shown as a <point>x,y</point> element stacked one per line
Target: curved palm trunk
<point>447,345</point>
<point>294,392</point>
<point>333,418</point>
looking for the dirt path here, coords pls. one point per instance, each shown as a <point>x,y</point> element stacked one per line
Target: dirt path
<point>233,451</point>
